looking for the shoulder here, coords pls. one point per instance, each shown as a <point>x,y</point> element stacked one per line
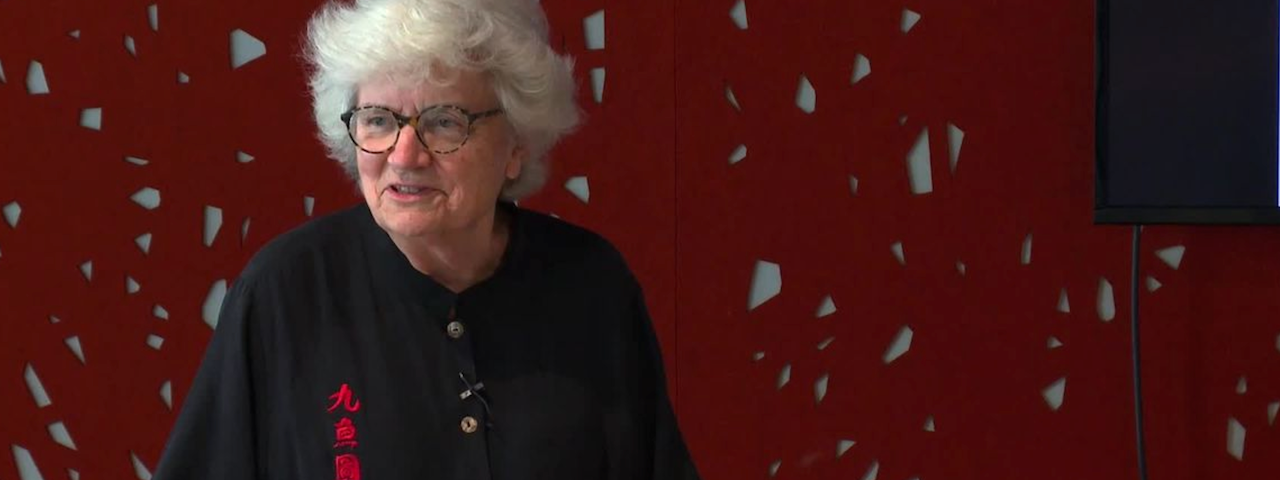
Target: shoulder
<point>322,242</point>
<point>560,244</point>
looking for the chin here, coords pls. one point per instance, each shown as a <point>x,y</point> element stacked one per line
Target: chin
<point>409,224</point>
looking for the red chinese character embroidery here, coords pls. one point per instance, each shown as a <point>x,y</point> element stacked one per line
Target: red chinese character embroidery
<point>345,433</point>
<point>344,399</point>
<point>346,467</point>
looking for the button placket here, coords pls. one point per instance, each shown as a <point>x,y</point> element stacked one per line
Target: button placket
<point>472,392</point>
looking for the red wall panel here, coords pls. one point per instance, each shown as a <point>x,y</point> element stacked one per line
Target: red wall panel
<point>1016,78</point>
<point>73,186</point>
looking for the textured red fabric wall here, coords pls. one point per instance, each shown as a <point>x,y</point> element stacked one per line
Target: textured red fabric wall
<point>1000,377</point>
<point>1015,305</point>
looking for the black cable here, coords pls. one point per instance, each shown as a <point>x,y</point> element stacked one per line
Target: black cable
<point>1137,359</point>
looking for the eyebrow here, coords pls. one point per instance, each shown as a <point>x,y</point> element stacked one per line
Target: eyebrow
<point>375,105</point>
<point>417,112</point>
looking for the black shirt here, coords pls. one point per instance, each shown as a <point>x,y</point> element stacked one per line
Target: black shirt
<point>334,358</point>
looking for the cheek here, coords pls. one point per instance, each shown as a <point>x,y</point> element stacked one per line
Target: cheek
<point>484,180</point>
<point>370,170</point>
<point>368,165</point>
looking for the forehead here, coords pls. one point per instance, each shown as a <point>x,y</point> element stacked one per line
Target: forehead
<point>465,88</point>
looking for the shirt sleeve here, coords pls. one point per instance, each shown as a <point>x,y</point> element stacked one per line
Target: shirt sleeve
<point>215,436</point>
<point>671,459</point>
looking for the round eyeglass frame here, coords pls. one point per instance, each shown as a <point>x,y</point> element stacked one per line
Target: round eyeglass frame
<point>402,120</point>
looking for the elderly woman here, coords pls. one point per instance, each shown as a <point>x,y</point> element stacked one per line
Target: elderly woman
<point>436,331</point>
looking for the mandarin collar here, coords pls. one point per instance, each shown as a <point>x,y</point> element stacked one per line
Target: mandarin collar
<point>394,269</point>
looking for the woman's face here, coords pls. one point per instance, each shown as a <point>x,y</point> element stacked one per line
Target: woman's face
<point>414,191</point>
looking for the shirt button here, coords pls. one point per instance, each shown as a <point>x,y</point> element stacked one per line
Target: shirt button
<point>470,425</point>
<point>455,329</point>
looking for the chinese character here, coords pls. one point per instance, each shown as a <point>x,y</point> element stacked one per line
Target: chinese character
<point>347,467</point>
<point>343,399</point>
<point>345,433</point>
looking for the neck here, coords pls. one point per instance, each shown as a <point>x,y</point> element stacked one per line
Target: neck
<point>459,259</point>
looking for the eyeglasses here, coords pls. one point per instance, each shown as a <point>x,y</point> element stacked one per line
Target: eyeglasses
<point>441,128</point>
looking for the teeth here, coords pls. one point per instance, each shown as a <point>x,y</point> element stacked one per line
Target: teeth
<point>403,189</point>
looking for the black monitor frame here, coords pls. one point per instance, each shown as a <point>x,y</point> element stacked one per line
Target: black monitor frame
<point>1106,213</point>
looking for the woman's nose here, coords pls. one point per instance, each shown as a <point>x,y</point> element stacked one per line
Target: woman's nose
<point>408,151</point>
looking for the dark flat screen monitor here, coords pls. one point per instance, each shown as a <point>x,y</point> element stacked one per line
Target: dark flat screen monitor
<point>1187,109</point>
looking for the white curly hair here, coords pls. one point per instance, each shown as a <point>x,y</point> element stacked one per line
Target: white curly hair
<point>350,42</point>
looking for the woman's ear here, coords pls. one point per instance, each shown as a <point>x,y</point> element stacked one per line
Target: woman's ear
<point>515,161</point>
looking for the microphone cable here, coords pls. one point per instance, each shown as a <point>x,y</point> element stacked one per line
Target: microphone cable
<point>1136,355</point>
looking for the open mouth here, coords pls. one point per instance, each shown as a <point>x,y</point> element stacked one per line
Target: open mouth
<point>408,190</point>
<point>405,192</point>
